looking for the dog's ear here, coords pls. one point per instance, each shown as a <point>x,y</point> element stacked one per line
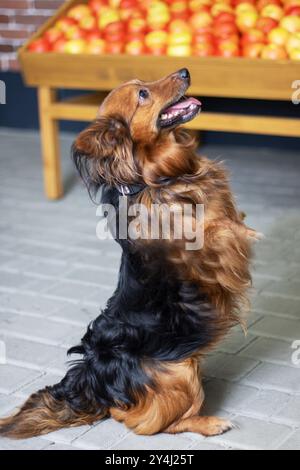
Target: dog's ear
<point>103,153</point>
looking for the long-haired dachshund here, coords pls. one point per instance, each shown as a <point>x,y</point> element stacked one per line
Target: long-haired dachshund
<point>140,359</point>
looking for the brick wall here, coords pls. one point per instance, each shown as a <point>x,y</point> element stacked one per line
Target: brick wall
<point>18,19</point>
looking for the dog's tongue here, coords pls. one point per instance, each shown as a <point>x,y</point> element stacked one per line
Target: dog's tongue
<point>184,104</point>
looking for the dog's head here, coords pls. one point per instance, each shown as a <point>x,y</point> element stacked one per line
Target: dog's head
<point>135,123</point>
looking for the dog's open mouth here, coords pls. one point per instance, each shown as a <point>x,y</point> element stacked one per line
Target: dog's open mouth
<point>183,110</point>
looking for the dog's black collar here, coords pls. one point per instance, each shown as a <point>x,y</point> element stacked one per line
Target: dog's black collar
<point>130,189</point>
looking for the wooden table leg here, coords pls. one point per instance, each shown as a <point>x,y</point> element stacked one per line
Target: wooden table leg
<point>50,143</point>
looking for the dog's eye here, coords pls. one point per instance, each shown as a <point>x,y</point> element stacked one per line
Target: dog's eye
<point>143,94</point>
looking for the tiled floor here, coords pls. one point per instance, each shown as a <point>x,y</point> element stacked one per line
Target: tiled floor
<point>55,274</point>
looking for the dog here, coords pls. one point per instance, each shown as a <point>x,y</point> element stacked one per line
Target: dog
<point>140,360</point>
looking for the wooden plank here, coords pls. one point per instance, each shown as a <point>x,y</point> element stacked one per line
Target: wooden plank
<point>50,144</point>
<point>211,76</point>
<point>85,108</point>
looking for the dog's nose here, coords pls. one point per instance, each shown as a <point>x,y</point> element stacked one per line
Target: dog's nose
<point>184,74</point>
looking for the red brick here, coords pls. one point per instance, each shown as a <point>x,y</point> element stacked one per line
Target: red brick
<point>13,65</point>
<point>36,20</point>
<point>48,4</point>
<point>15,4</point>
<point>6,48</point>
<point>15,33</point>
<point>4,19</point>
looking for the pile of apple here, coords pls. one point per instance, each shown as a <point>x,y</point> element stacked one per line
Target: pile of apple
<point>268,29</point>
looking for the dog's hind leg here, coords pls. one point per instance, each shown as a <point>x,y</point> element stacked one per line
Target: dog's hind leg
<point>173,405</point>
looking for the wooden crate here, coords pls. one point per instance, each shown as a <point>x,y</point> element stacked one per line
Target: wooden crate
<point>213,76</point>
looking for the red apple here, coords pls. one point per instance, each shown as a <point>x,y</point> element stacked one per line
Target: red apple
<point>293,11</point>
<point>115,47</point>
<point>52,35</point>
<point>291,23</point>
<point>97,5</point>
<point>179,10</point>
<point>88,23</point>
<point>197,5</point>
<point>246,21</point>
<point>273,52</point>
<point>253,51</point>
<point>200,20</point>
<point>204,50</point>
<point>136,25</point>
<point>75,46</point>
<point>156,39</point>
<point>135,47</point>
<point>178,26</point>
<point>39,45</point>
<point>253,36</point>
<point>272,11</point>
<point>224,17</point>
<point>93,34</point>
<point>266,24</point>
<point>65,23</point>
<point>79,11</point>
<point>263,3</point>
<point>96,46</point>
<point>181,50</point>
<point>59,46</point>
<point>278,36</point>
<point>224,30</point>
<point>228,49</point>
<point>218,8</point>
<point>157,51</point>
<point>75,33</point>
<point>114,32</point>
<point>203,38</point>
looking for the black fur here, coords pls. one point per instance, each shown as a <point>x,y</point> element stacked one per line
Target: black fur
<point>151,318</point>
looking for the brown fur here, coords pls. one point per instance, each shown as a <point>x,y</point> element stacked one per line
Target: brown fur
<point>125,146</point>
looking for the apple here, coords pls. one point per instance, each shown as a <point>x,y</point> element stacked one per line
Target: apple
<point>93,34</point>
<point>39,45</point>
<point>97,5</point>
<point>273,52</point>
<point>156,39</point>
<point>228,49</point>
<point>204,50</point>
<point>196,5</point>
<point>96,46</point>
<point>135,47</point>
<point>246,20</point>
<point>200,20</point>
<point>278,36</point>
<point>75,33</point>
<point>79,11</point>
<point>235,3</point>
<point>136,25</point>
<point>88,23</point>
<point>114,47</point>
<point>109,15</point>
<point>218,8</point>
<point>181,50</point>
<point>263,3</point>
<point>291,23</point>
<point>157,51</point>
<point>293,11</point>
<point>179,10</point>
<point>59,45</point>
<point>65,23</point>
<point>253,50</point>
<point>203,38</point>
<point>253,36</point>
<point>225,29</point>
<point>272,11</point>
<point>179,38</point>
<point>245,7</point>
<point>225,17</point>
<point>114,31</point>
<point>293,42</point>
<point>294,54</point>
<point>75,46</point>
<point>266,24</point>
<point>178,26</point>
<point>53,35</point>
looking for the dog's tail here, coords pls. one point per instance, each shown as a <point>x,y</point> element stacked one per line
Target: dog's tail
<point>51,409</point>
